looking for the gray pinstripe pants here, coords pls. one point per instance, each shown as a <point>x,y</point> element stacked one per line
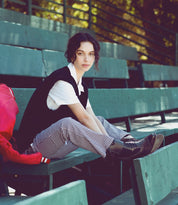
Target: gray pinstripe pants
<point>67,134</point>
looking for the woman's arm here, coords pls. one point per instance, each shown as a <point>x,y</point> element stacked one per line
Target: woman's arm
<point>87,118</point>
<point>90,111</point>
<point>62,93</point>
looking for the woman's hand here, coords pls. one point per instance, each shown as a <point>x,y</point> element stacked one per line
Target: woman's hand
<point>87,118</point>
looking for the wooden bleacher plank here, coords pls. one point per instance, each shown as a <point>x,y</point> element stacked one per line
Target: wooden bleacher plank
<point>171,198</point>
<point>144,126</point>
<point>53,60</point>
<point>153,179</point>
<point>74,158</point>
<point>153,72</point>
<point>117,67</point>
<point>132,102</point>
<point>44,39</point>
<point>20,61</point>
<point>72,193</point>
<point>38,22</point>
<point>109,68</point>
<point>131,108</point>
<point>156,174</point>
<point>118,51</point>
<point>126,198</point>
<point>12,34</point>
<point>27,36</point>
<point>128,103</point>
<point>22,96</point>
<point>11,199</point>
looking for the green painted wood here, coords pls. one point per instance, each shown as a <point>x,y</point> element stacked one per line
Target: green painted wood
<point>22,96</point>
<point>74,158</point>
<point>117,103</point>
<point>109,103</point>
<point>123,199</point>
<point>141,130</point>
<point>27,36</point>
<point>44,39</point>
<point>118,51</point>
<point>53,60</point>
<point>156,174</point>
<point>109,68</point>
<point>9,200</point>
<point>20,61</point>
<point>72,193</point>
<point>13,34</point>
<point>153,72</point>
<point>37,22</point>
<point>171,198</point>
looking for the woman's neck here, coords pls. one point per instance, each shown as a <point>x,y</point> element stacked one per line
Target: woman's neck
<point>79,75</point>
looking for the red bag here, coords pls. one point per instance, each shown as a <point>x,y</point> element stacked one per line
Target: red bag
<point>8,112</point>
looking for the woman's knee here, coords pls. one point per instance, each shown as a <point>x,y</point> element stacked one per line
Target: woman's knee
<point>65,122</point>
<point>101,118</point>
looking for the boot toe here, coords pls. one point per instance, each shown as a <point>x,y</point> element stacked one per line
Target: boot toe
<point>123,150</point>
<point>158,140</point>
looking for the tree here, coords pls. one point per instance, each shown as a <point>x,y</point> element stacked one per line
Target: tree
<point>115,21</point>
<point>160,13</point>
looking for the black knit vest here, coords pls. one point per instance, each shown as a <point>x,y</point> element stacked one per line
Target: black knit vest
<point>38,116</point>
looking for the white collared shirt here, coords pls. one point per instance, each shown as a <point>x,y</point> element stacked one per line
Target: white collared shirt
<point>63,93</point>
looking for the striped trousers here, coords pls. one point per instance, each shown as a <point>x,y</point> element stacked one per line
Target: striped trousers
<point>67,134</point>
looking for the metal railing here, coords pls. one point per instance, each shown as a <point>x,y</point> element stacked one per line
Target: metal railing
<point>156,45</point>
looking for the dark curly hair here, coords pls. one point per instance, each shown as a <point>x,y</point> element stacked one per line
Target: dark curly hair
<point>74,44</point>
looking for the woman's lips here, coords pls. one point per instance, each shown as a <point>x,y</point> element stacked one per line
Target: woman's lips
<point>85,65</point>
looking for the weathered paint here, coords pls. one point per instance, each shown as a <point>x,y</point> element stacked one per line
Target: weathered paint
<point>157,174</point>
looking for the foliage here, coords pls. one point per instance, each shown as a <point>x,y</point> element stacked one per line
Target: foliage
<point>162,13</point>
<point>115,21</point>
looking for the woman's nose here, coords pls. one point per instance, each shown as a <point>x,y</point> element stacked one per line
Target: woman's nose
<point>86,58</point>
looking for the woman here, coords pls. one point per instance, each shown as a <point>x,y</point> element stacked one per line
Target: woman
<point>59,117</point>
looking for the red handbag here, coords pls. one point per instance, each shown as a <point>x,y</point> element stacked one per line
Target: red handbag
<point>8,112</point>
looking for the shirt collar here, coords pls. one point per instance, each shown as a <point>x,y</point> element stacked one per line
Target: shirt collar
<point>74,75</point>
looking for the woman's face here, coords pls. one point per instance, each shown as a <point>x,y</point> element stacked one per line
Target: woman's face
<point>85,57</point>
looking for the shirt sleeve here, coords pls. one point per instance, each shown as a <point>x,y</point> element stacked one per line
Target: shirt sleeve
<point>88,104</point>
<point>62,93</point>
<point>9,154</point>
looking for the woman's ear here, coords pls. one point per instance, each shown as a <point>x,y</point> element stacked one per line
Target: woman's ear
<point>73,58</point>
